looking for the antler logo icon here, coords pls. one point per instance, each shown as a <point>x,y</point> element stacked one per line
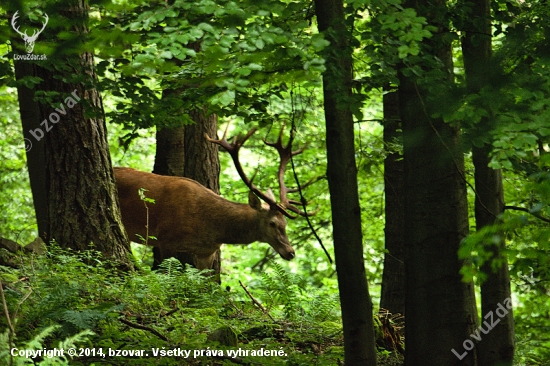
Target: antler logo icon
<point>29,40</point>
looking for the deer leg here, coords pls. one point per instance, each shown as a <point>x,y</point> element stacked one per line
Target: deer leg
<point>204,262</point>
<point>160,254</point>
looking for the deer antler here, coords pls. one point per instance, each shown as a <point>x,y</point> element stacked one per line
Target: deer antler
<point>13,19</point>
<point>43,26</point>
<point>285,154</point>
<point>233,150</point>
<point>24,34</point>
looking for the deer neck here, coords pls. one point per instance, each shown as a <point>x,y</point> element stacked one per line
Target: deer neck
<point>240,225</point>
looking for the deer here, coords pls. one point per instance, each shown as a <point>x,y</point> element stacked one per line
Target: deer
<point>188,217</point>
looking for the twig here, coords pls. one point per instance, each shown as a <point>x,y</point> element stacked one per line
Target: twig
<point>6,310</point>
<point>302,198</point>
<point>25,278</point>
<point>171,312</point>
<point>10,325</point>
<point>256,302</point>
<point>143,327</point>
<point>21,302</point>
<point>516,208</point>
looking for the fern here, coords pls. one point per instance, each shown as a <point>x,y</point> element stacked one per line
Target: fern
<point>38,343</point>
<point>170,267</point>
<point>285,289</point>
<point>89,318</point>
<point>323,307</point>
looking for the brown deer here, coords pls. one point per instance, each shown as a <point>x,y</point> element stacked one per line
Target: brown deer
<point>188,217</point>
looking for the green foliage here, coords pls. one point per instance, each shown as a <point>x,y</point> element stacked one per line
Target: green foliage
<point>260,62</point>
<point>392,35</point>
<point>284,288</point>
<point>68,299</point>
<point>225,56</point>
<point>17,221</point>
<point>38,343</point>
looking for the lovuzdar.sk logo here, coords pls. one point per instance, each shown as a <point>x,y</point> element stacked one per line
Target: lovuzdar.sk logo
<point>29,40</point>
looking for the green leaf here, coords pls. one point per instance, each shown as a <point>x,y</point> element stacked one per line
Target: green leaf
<point>225,98</point>
<point>319,42</point>
<point>166,54</point>
<point>259,43</point>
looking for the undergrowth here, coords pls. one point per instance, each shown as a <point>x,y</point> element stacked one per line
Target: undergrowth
<point>173,316</point>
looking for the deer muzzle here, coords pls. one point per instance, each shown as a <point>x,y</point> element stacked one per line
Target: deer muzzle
<point>287,254</point>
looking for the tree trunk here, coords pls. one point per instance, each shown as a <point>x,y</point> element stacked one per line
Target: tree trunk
<point>36,161</point>
<point>439,306</point>
<point>359,347</point>
<point>497,347</point>
<point>82,203</point>
<point>393,277</point>
<point>201,156</point>
<point>169,151</point>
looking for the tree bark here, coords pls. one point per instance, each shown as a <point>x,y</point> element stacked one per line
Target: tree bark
<point>82,203</point>
<point>497,347</point>
<point>439,306</point>
<point>359,346</point>
<point>169,151</point>
<point>393,278</point>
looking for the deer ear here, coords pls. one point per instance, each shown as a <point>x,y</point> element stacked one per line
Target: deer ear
<point>270,195</point>
<point>254,201</point>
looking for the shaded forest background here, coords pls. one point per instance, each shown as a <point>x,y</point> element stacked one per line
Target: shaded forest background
<point>450,106</point>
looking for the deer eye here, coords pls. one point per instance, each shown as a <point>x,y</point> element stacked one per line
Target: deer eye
<point>272,224</point>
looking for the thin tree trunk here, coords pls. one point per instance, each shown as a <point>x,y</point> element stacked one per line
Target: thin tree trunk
<point>359,346</point>
<point>393,278</point>
<point>439,306</point>
<point>496,347</point>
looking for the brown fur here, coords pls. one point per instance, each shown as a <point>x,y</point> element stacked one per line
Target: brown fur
<point>188,217</point>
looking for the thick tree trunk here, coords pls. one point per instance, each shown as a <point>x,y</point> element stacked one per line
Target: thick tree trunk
<point>393,277</point>
<point>169,151</point>
<point>439,306</point>
<point>359,347</point>
<point>496,347</point>
<point>201,157</point>
<point>82,203</point>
